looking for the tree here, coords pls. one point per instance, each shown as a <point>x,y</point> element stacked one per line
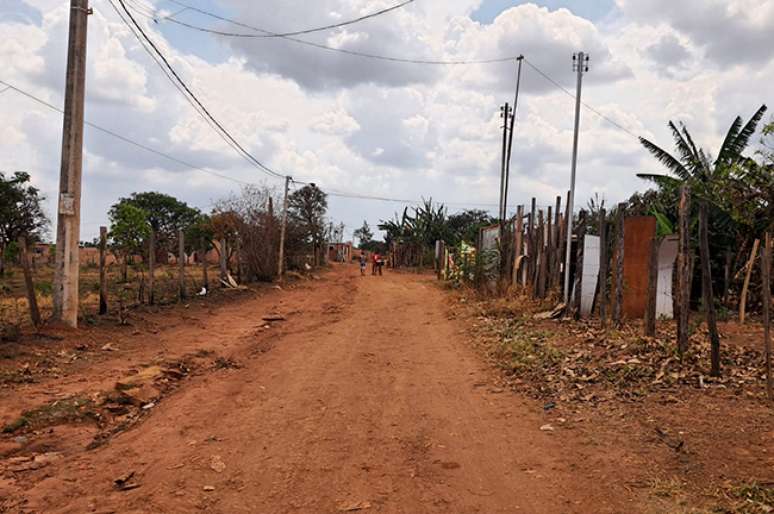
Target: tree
<point>704,176</point>
<point>165,214</point>
<point>129,230</point>
<point>465,225</point>
<point>21,212</point>
<point>307,208</point>
<point>364,235</point>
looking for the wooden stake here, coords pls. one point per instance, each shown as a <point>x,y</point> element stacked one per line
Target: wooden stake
<point>706,287</point>
<point>603,260</point>
<point>549,249</point>
<point>555,251</point>
<point>619,265</point>
<point>650,309</point>
<point>541,265</point>
<point>152,267</point>
<point>533,252</point>
<point>518,243</point>
<point>581,238</point>
<point>103,294</point>
<point>205,275</point>
<point>683,272</point>
<point>223,262</point>
<point>746,285</point>
<point>766,279</point>
<point>28,282</point>
<point>181,263</point>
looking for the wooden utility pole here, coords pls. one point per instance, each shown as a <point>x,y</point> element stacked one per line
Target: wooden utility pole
<point>66,271</point>
<point>603,260</point>
<point>683,272</point>
<point>519,60</point>
<point>283,228</point>
<point>28,282</point>
<point>766,283</point>
<point>181,264</point>
<point>505,114</point>
<point>103,306</point>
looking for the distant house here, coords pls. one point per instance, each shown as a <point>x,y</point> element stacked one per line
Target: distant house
<point>340,252</point>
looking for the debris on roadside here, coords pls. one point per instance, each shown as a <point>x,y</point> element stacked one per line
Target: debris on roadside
<point>124,482</point>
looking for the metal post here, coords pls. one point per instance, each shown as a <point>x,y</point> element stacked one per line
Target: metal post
<point>65,308</point>
<point>580,63</point>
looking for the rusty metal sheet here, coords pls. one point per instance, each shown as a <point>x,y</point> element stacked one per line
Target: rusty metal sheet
<point>638,238</point>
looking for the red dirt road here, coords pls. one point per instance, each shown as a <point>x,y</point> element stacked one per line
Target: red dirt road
<point>368,397</point>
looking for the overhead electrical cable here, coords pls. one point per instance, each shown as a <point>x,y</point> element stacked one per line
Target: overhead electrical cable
<point>192,166</point>
<point>586,105</point>
<point>203,110</point>
<point>318,45</point>
<point>285,34</point>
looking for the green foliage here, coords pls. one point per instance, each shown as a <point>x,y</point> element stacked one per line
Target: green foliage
<point>165,214</point>
<point>200,234</point>
<point>364,235</point>
<point>306,209</point>
<point>465,225</point>
<point>21,210</point>
<point>129,228</point>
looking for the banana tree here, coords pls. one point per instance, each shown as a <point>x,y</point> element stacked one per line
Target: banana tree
<point>704,176</point>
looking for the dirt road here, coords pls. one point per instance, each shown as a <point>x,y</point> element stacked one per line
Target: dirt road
<point>367,397</point>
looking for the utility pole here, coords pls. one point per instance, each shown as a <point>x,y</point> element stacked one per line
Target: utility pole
<point>69,202</point>
<point>505,112</point>
<point>519,60</point>
<point>280,264</point>
<point>580,63</point>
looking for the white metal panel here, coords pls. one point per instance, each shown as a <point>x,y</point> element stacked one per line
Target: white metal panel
<point>667,254</point>
<point>590,273</point>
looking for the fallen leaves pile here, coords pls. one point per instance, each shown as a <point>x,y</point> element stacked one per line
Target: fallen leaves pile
<point>578,361</point>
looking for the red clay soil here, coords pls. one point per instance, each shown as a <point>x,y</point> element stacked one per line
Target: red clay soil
<point>367,397</point>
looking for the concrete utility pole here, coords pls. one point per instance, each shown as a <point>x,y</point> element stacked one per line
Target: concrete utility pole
<point>580,63</point>
<point>281,262</point>
<point>519,60</point>
<point>69,205</point>
<point>505,114</point>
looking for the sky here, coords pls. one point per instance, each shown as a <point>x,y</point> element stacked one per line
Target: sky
<point>380,128</point>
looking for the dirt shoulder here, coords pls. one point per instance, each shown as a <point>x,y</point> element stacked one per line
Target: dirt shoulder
<point>690,442</point>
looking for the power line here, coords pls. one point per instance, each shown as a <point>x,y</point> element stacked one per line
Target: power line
<point>126,139</point>
<point>284,34</point>
<point>318,45</point>
<point>190,94</point>
<point>111,133</point>
<point>586,105</point>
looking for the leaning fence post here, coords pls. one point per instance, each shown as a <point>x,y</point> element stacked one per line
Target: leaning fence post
<point>181,263</point>
<point>519,243</point>
<point>556,237</point>
<point>683,272</point>
<point>103,306</point>
<point>619,265</point>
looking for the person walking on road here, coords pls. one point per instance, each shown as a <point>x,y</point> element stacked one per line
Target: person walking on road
<point>362,263</point>
<point>375,263</point>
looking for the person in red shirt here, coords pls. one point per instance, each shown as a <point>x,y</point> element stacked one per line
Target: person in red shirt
<point>375,263</point>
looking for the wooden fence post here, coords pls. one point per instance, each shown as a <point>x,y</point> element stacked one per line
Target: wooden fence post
<point>542,263</point>
<point>181,263</point>
<point>706,286</point>
<point>103,294</point>
<point>683,272</point>
<point>746,284</point>
<point>519,243</point>
<point>603,261</point>
<point>581,239</point>
<point>223,262</point>
<point>533,253</point>
<point>766,279</point>
<point>151,266</point>
<point>28,282</point>
<point>650,308</point>
<point>619,264</point>
<point>205,275</point>
<point>549,249</point>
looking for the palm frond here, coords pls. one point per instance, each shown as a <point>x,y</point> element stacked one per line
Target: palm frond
<point>670,162</point>
<point>686,152</point>
<point>661,180</point>
<point>732,150</point>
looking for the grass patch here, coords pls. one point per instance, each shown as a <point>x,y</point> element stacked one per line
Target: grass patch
<point>69,410</point>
